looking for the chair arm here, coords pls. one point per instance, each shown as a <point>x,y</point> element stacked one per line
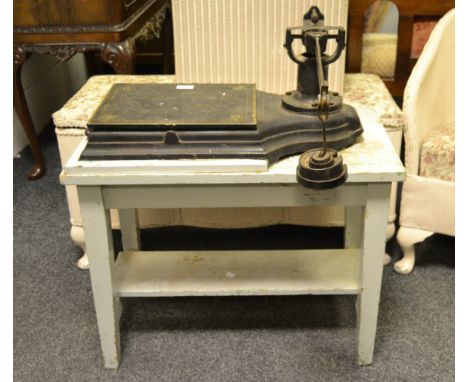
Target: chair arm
<point>429,98</point>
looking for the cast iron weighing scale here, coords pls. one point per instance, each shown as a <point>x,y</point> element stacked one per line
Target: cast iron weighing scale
<point>207,121</point>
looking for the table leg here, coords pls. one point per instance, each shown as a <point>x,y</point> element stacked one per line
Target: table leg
<point>130,229</point>
<point>120,55</point>
<point>21,108</point>
<point>99,245</point>
<point>353,227</point>
<point>372,248</point>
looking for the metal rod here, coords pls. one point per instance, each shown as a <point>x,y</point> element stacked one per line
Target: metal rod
<point>318,57</point>
<point>324,101</point>
<point>324,134</point>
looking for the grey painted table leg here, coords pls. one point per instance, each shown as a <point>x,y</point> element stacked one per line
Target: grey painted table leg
<point>373,247</point>
<point>130,229</point>
<point>99,244</point>
<point>353,227</point>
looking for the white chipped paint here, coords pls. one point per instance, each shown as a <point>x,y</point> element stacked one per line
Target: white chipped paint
<point>371,159</point>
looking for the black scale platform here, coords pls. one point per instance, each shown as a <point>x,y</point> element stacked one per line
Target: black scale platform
<point>175,121</point>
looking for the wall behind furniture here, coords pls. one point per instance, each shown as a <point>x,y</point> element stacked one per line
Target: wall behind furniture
<point>48,84</point>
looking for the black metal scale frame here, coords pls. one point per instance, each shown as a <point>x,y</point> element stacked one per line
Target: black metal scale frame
<point>195,121</point>
<point>148,121</point>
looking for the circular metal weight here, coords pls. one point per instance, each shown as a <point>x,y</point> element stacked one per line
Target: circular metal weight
<point>321,170</point>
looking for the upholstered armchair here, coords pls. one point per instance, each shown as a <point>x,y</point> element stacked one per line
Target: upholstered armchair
<point>428,195</point>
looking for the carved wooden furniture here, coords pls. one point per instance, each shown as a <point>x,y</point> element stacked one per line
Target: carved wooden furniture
<point>127,185</point>
<point>428,194</point>
<point>64,28</point>
<point>409,12</point>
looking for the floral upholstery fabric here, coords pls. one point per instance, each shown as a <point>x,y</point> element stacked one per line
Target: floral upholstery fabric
<point>379,52</point>
<point>359,90</point>
<point>363,89</point>
<point>438,155</point>
<point>76,112</point>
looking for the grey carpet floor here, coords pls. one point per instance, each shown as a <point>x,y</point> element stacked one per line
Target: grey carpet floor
<point>297,338</point>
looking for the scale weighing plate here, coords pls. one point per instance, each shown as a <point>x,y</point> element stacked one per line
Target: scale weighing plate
<point>206,121</point>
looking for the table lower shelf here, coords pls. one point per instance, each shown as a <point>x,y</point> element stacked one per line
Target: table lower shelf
<point>226,273</point>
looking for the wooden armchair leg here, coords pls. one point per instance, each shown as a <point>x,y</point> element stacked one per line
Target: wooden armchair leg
<point>407,238</point>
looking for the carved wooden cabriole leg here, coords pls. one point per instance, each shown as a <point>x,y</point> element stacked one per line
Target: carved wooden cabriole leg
<point>21,108</point>
<point>407,238</point>
<point>78,237</point>
<point>121,56</point>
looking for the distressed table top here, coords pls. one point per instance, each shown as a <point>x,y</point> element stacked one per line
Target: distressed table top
<point>371,159</point>
<point>360,89</point>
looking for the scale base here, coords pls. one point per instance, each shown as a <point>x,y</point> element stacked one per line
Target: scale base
<point>208,121</point>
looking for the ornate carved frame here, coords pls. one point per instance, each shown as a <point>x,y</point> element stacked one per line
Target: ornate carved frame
<point>120,55</point>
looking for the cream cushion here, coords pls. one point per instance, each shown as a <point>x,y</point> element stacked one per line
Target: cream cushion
<point>379,51</point>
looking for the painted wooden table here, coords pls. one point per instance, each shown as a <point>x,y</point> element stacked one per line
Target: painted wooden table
<point>128,185</point>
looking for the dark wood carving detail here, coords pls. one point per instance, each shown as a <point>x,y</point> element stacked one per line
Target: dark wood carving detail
<point>62,29</point>
<point>108,27</point>
<point>121,56</point>
<point>152,28</point>
<point>63,52</point>
<point>20,55</point>
<point>129,3</point>
<point>72,29</point>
